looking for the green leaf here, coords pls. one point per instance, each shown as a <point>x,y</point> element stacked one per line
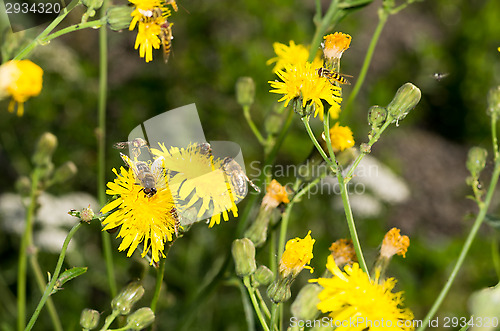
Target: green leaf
<point>66,276</point>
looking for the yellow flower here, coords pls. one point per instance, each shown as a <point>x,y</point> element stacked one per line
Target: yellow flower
<point>336,44</point>
<point>148,15</point>
<point>341,137</point>
<point>152,220</point>
<point>292,55</point>
<point>394,243</point>
<point>147,39</point>
<point>201,186</point>
<point>343,252</point>
<point>357,303</point>
<point>275,194</point>
<point>303,81</point>
<point>20,80</point>
<point>298,253</point>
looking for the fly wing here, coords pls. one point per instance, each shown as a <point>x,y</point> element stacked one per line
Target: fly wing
<point>131,165</point>
<point>158,171</point>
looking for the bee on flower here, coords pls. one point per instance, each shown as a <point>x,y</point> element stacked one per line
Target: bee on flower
<point>20,80</point>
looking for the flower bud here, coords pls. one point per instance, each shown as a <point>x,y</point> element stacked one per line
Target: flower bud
<point>245,91</point>
<point>257,232</point>
<point>476,160</point>
<point>89,319</point>
<point>377,116</point>
<point>94,4</point>
<point>119,17</point>
<point>64,172</point>
<point>302,111</point>
<point>87,214</point>
<point>304,306</point>
<point>140,319</point>
<point>44,149</point>
<point>279,290</point>
<point>406,98</point>
<point>124,301</point>
<point>494,101</point>
<point>244,257</point>
<point>263,275</point>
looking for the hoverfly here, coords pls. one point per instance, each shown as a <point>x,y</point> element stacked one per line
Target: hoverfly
<point>149,177</point>
<point>166,37</point>
<point>134,145</point>
<point>173,4</point>
<point>333,76</point>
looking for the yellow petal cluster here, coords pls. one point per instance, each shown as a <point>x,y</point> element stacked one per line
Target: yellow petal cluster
<point>298,253</point>
<point>341,137</point>
<point>202,188</point>
<point>148,220</point>
<point>355,302</point>
<point>394,243</point>
<point>149,16</point>
<point>335,45</point>
<point>302,81</point>
<point>292,55</point>
<point>20,80</point>
<point>275,194</point>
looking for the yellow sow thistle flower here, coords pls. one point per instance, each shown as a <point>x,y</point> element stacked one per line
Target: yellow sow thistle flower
<point>149,15</point>
<point>303,81</point>
<point>298,253</point>
<point>292,55</point>
<point>394,243</point>
<point>341,137</point>
<point>351,295</point>
<point>20,80</point>
<point>200,185</point>
<point>343,252</point>
<point>335,45</point>
<point>151,220</point>
<point>275,194</point>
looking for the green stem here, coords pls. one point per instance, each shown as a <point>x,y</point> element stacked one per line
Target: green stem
<point>160,273</point>
<point>263,303</point>
<point>24,53</point>
<point>26,241</point>
<point>80,26</point>
<point>274,315</point>
<point>372,141</point>
<point>383,16</point>
<point>286,215</point>
<point>247,307</point>
<point>326,22</point>
<point>494,254</point>
<point>255,130</point>
<point>332,165</point>
<point>494,135</point>
<point>255,304</point>
<point>101,148</point>
<point>110,320</point>
<point>345,198</point>
<point>465,249</point>
<point>41,285</point>
<point>54,278</point>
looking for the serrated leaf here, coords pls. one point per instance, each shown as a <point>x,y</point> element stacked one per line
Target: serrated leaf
<point>66,276</point>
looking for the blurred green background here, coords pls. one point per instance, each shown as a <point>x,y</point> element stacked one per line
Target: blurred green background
<point>215,42</point>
